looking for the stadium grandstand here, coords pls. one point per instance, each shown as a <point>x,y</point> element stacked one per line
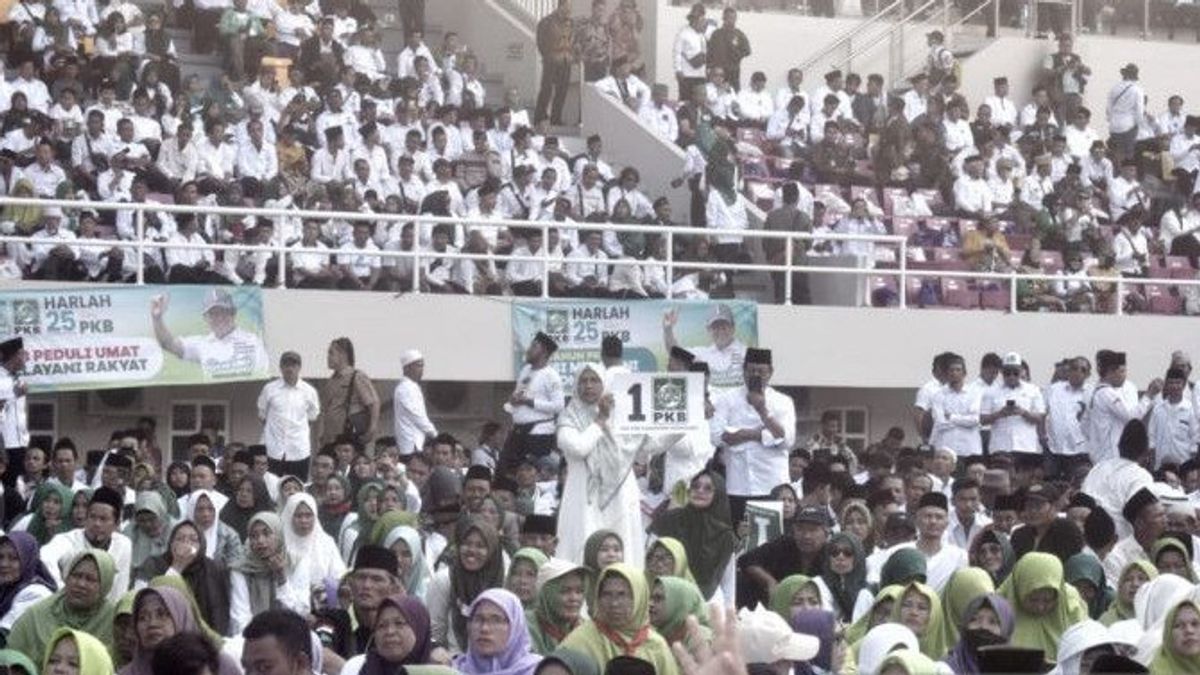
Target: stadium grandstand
<point>368,337</point>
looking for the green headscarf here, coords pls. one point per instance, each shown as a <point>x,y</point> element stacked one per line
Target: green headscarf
<point>1172,544</point>
<point>906,565</point>
<point>365,521</point>
<point>682,599</point>
<point>1120,610</point>
<point>678,553</point>
<point>604,642</point>
<point>858,630</point>
<point>1087,567</point>
<point>10,658</point>
<point>780,601</point>
<point>530,555</point>
<point>30,633</point>
<point>546,623</point>
<point>37,524</point>
<point>912,663</point>
<point>965,585</point>
<point>145,546</point>
<point>390,521</point>
<point>26,218</point>
<point>577,663</point>
<point>1035,571</point>
<point>178,583</point>
<point>1167,661</point>
<point>93,653</point>
<point>933,638</point>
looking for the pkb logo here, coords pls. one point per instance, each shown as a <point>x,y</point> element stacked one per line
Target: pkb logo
<point>670,399</point>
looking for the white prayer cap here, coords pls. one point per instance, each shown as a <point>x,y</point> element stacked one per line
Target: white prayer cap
<point>410,356</point>
<point>1011,360</point>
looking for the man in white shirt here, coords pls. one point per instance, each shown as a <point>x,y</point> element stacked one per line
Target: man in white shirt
<point>534,405</point>
<point>1144,514</point>
<point>45,174</point>
<point>658,116</point>
<point>1185,147</point>
<point>1015,410</point>
<point>1114,403</point>
<point>287,408</point>
<point>690,53</point>
<point>414,46</point>
<point>725,355</point>
<point>411,421</point>
<point>942,559</point>
<point>955,412</point>
<point>1173,424</point>
<point>756,426</point>
<point>755,106</point>
<point>98,533</point>
<point>54,256</point>
<point>1079,135</point>
<point>923,406</point>
<point>794,88</point>
<point>14,412</point>
<point>586,271</point>
<point>1004,111</point>
<point>1066,403</point>
<point>1125,191</point>
<point>966,520</point>
<point>624,86</point>
<point>256,161</point>
<point>917,98</point>
<point>972,194</point>
<point>1126,108</point>
<point>332,162</point>
<point>226,351</point>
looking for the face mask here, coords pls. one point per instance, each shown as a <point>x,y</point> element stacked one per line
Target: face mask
<point>979,637</point>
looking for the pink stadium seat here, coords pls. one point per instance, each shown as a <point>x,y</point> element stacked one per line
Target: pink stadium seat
<point>1182,272</point>
<point>890,198</point>
<point>1018,240</point>
<point>1052,260</point>
<point>913,290</point>
<point>1157,272</point>
<point>1177,262</point>
<point>1014,256</point>
<point>1166,304</point>
<point>939,224</point>
<point>904,226</point>
<point>956,294</point>
<point>995,298</point>
<point>932,197</point>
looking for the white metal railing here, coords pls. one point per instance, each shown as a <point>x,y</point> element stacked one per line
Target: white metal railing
<point>532,10</point>
<point>902,272</point>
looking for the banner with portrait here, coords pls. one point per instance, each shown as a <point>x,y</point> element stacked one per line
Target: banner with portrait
<point>104,337</point>
<point>715,332</point>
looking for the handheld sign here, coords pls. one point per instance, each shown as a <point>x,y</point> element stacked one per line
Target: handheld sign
<point>652,403</point>
<point>766,522</point>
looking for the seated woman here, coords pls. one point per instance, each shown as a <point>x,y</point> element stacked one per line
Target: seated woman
<point>672,601</point>
<point>207,579</point>
<point>620,622</point>
<point>401,641</point>
<point>87,609</point>
<point>1180,650</point>
<point>158,614</point>
<point>25,583</point>
<point>1133,577</point>
<point>76,651</point>
<point>988,621</point>
<point>522,577</point>
<point>558,608</point>
<point>920,610</point>
<point>798,592</point>
<point>1044,603</point>
<point>498,641</point>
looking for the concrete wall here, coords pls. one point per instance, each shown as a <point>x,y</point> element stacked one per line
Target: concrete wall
<point>1165,69</point>
<point>628,143</point>
<point>506,46</point>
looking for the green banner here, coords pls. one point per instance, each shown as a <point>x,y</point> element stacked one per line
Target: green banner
<point>102,337</point>
<point>716,332</point>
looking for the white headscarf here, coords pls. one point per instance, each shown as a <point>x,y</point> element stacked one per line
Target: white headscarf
<point>881,641</point>
<point>318,548</point>
<point>611,462</point>
<point>210,535</point>
<point>1154,600</point>
<point>1078,639</point>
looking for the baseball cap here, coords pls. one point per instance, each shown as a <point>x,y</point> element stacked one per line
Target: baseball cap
<point>218,298</point>
<point>767,638</point>
<point>410,356</point>
<point>812,514</point>
<point>1011,360</point>
<point>721,312</point>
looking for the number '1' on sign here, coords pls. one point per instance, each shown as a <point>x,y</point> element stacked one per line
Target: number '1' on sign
<point>649,403</point>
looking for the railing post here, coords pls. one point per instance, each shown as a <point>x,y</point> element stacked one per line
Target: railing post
<point>140,218</point>
<point>995,27</point>
<point>281,253</point>
<point>788,247</point>
<point>545,259</point>
<point>416,258</point>
<point>1012,292</point>
<point>670,264</point>
<point>1120,297</point>
<point>902,286</point>
<point>946,19</point>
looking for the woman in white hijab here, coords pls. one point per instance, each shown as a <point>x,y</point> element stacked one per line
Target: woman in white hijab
<point>221,542</point>
<point>881,641</point>
<point>601,492</point>
<point>1151,604</point>
<point>1078,640</point>
<point>307,542</point>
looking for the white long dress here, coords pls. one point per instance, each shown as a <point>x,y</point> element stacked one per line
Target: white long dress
<point>579,515</point>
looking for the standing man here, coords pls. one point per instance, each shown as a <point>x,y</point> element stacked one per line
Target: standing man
<point>1067,402</point>
<point>755,425</point>
<point>1173,422</point>
<point>411,421</point>
<point>593,43</point>
<point>534,405</point>
<point>288,407</point>
<point>728,46</point>
<point>14,425</point>
<point>1126,108</point>
<point>1114,403</point>
<point>555,44</point>
<point>349,403</point>
<point>691,53</point>
<point>1015,410</point>
<point>955,412</point>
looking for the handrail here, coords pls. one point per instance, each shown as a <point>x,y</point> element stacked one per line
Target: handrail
<point>546,260</point>
<point>847,35</point>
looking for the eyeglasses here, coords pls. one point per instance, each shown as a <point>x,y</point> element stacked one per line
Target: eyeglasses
<point>841,553</point>
<point>489,621</point>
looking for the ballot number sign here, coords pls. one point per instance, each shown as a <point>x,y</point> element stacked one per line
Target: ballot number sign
<point>657,402</point>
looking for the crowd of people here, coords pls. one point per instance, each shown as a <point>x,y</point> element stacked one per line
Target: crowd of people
<point>1012,528</point>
